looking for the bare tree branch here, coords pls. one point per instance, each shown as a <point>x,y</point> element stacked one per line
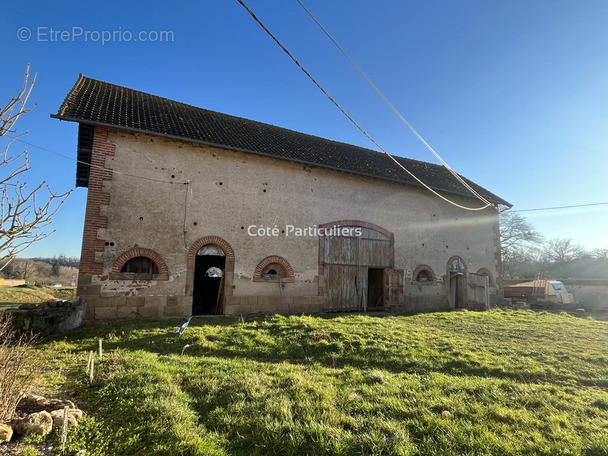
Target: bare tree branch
<point>24,212</point>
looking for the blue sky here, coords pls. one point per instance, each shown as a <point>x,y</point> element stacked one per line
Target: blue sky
<point>513,95</point>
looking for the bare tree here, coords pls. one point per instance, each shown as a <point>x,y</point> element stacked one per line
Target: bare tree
<point>24,211</point>
<point>600,254</point>
<point>562,251</point>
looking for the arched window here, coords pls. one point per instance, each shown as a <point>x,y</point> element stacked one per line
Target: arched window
<point>488,274</point>
<point>273,271</point>
<point>140,266</point>
<point>273,268</point>
<point>423,274</point>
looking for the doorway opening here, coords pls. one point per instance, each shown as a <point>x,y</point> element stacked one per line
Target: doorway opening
<point>375,289</point>
<point>207,294</point>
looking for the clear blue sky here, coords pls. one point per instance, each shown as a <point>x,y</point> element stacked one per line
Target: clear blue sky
<point>513,95</point>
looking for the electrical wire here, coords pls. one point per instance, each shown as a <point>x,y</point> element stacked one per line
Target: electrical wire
<point>90,165</point>
<point>276,40</point>
<point>560,207</point>
<point>428,146</point>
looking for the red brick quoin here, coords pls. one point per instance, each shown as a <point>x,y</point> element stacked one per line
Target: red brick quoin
<point>96,199</point>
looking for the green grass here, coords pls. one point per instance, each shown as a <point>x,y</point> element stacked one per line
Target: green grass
<point>11,297</point>
<point>463,383</point>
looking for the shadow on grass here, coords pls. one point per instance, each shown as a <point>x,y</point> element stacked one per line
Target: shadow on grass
<point>359,343</point>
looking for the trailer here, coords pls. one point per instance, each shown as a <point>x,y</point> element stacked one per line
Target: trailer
<point>539,293</point>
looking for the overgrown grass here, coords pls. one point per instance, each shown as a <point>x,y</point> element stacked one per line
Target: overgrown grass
<point>493,383</point>
<point>10,297</point>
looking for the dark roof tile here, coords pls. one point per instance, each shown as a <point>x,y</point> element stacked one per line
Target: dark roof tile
<point>100,103</point>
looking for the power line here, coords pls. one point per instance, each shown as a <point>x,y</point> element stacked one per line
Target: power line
<point>90,165</point>
<point>428,146</point>
<point>276,40</point>
<point>560,207</point>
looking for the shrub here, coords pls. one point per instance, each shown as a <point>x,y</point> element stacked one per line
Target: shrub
<point>15,371</point>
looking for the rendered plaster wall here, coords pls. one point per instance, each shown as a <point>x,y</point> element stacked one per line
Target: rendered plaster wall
<point>184,192</point>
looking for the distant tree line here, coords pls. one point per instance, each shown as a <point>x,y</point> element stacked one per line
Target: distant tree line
<point>525,251</point>
<point>73,262</point>
<point>44,271</point>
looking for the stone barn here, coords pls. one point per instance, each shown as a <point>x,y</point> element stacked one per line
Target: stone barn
<point>194,212</point>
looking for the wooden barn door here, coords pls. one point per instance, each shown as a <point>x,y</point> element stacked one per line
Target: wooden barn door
<point>349,263</point>
<point>393,288</point>
<point>478,291</point>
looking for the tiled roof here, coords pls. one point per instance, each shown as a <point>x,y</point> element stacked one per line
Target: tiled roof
<point>100,103</point>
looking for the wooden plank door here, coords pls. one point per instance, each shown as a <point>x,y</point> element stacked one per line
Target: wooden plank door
<point>393,289</point>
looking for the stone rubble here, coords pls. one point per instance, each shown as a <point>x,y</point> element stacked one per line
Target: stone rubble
<point>39,415</point>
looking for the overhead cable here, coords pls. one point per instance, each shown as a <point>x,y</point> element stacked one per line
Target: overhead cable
<point>428,146</point>
<point>276,40</point>
<point>559,207</point>
<point>90,165</point>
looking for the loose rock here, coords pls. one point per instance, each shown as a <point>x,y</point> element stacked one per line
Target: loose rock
<point>73,415</point>
<point>6,433</point>
<point>40,423</point>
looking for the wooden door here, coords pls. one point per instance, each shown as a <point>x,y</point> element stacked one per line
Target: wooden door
<point>393,289</point>
<point>346,262</point>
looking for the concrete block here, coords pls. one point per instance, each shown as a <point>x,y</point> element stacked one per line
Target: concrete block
<point>244,309</point>
<point>172,301</point>
<point>84,280</point>
<point>94,301</point>
<point>174,311</point>
<point>149,312</point>
<point>88,314</point>
<point>303,301</point>
<point>232,301</point>
<point>126,312</point>
<point>89,290</point>
<point>105,313</point>
<point>294,308</point>
<point>135,301</point>
<point>274,304</point>
<point>155,301</point>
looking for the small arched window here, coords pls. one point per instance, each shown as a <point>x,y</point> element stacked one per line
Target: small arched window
<point>273,271</point>
<point>140,267</point>
<point>424,274</point>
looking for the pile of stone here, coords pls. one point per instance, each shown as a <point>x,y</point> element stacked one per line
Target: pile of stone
<point>39,415</point>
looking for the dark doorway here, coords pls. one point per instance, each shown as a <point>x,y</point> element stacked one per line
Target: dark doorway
<point>208,280</point>
<point>375,289</point>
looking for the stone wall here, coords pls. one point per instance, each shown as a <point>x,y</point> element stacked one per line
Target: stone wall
<point>53,317</point>
<point>193,193</point>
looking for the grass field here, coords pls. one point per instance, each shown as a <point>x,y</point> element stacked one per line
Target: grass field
<point>461,383</point>
<point>11,297</point>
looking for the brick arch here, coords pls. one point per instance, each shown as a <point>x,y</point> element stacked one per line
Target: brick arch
<point>426,268</point>
<point>456,257</point>
<point>212,240</point>
<point>273,259</point>
<point>488,274</point>
<point>139,252</point>
<point>359,223</point>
